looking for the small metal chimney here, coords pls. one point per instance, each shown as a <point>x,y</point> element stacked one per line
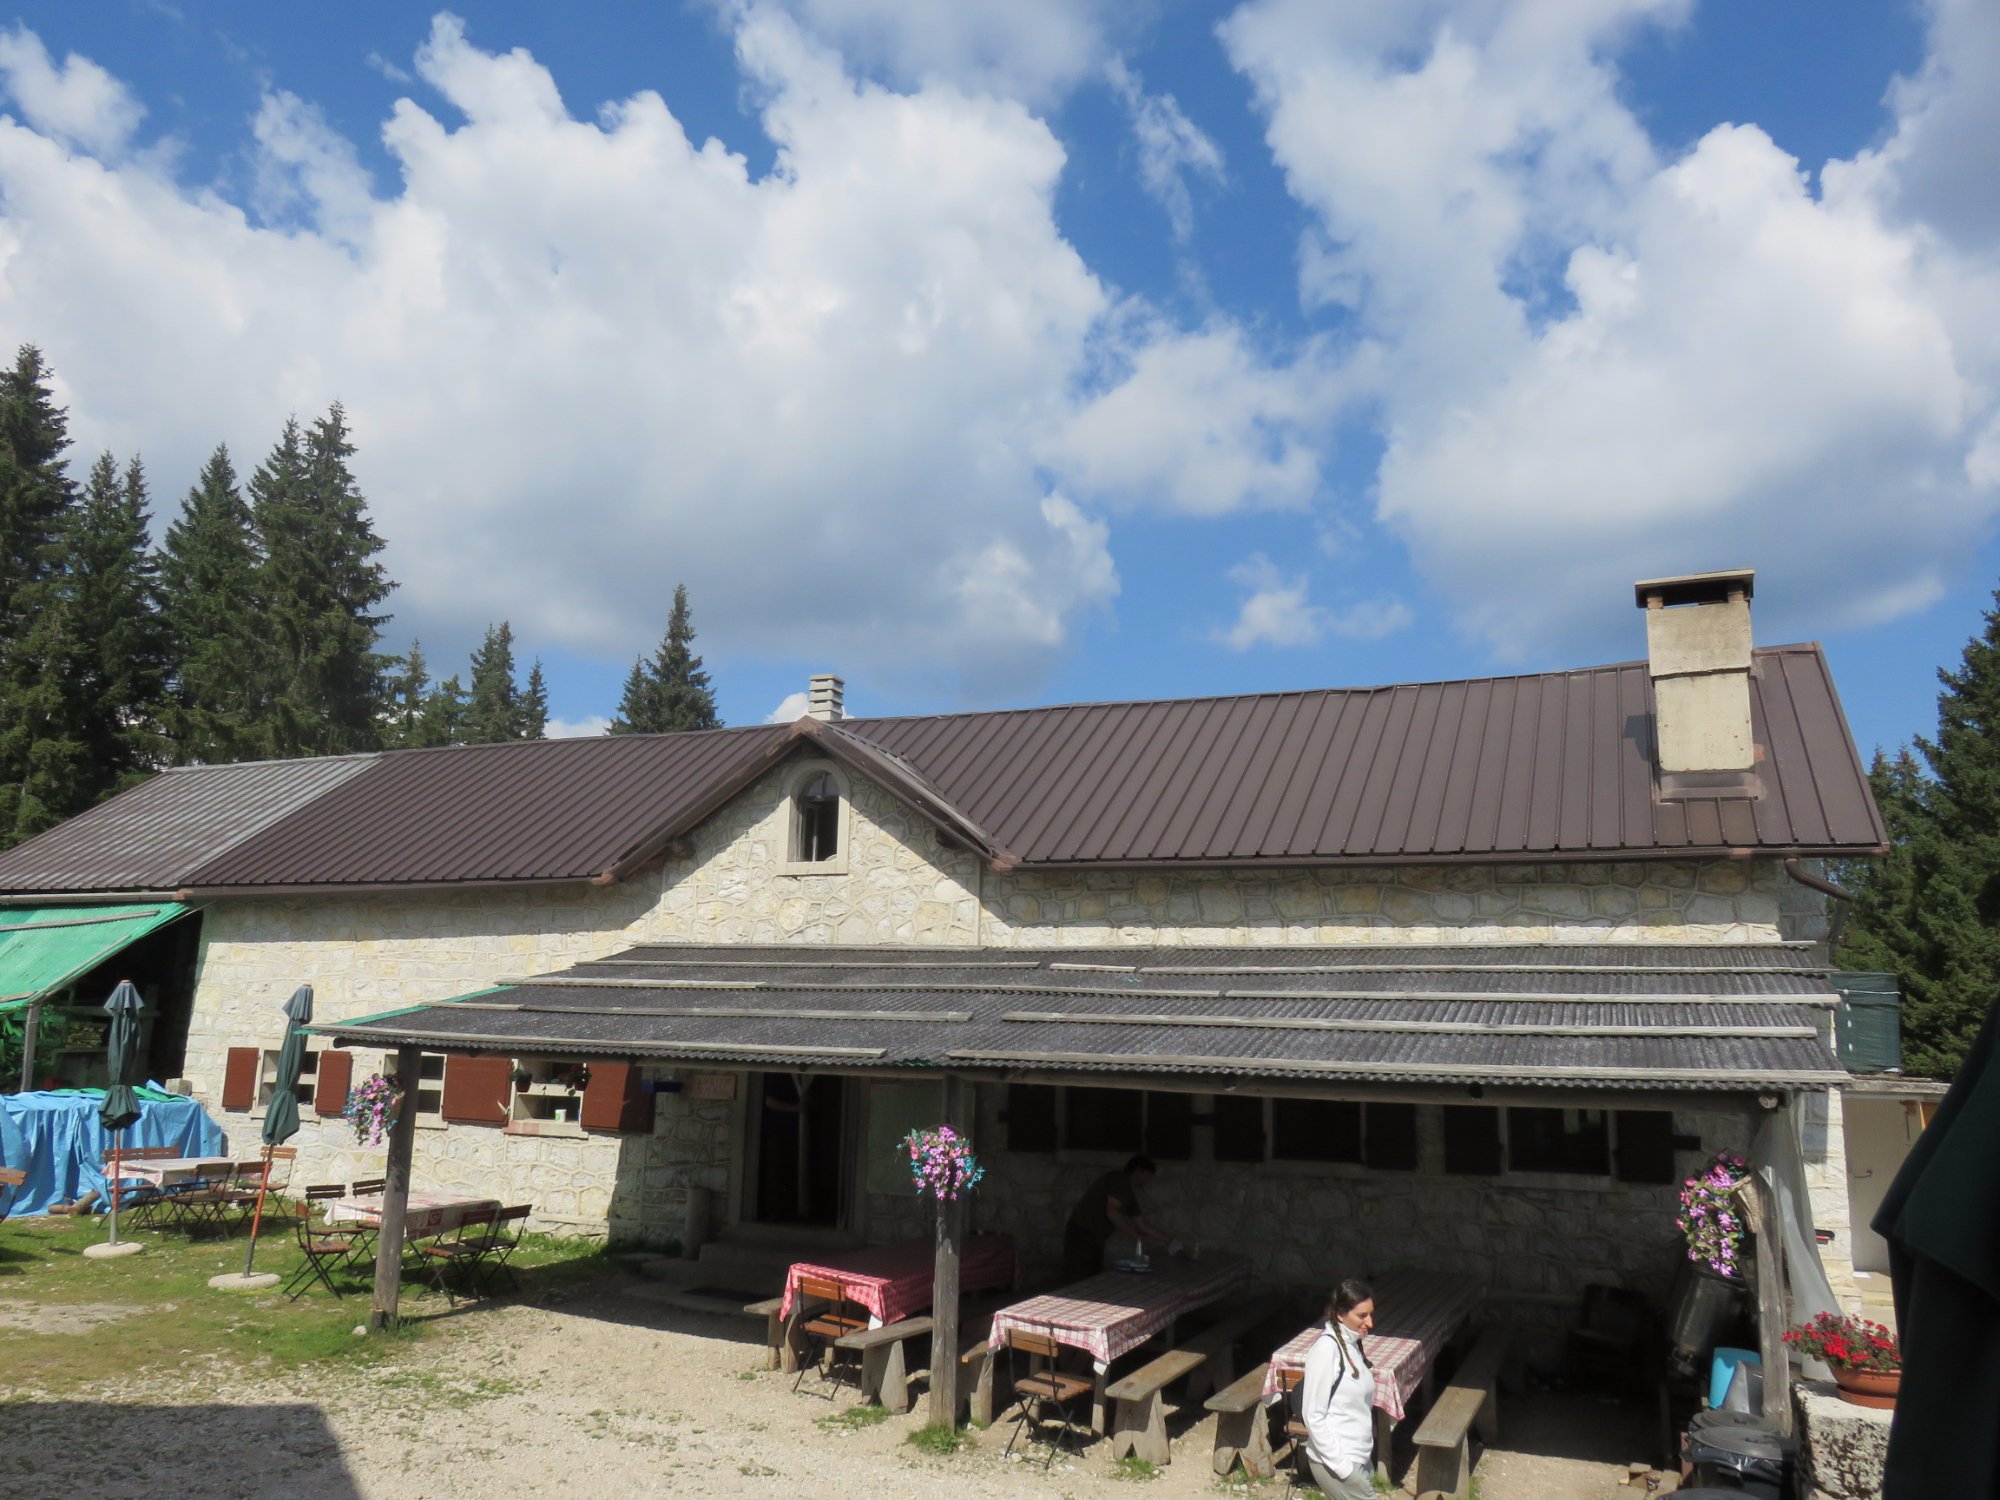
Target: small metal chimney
<point>825,697</point>
<point>1698,653</point>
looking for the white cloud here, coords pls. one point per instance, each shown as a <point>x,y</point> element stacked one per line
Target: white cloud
<point>791,708</point>
<point>585,357</point>
<point>1279,612</point>
<point>1171,146</point>
<point>1023,49</point>
<point>576,729</point>
<point>1594,364</point>
<point>77,102</point>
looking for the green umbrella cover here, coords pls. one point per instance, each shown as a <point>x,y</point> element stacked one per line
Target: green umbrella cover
<point>281,1115</point>
<point>121,1065</point>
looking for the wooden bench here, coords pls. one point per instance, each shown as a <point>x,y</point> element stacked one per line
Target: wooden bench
<point>1470,1398</point>
<point>774,1330</point>
<point>1243,1426</point>
<point>1139,1417</point>
<point>885,1368</point>
<point>1219,1340</point>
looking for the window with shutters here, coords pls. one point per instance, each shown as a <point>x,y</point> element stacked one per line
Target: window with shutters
<point>1576,1142</point>
<point>549,1092</point>
<point>267,1077</point>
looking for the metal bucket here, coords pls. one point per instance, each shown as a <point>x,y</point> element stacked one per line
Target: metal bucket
<point>1703,1304</point>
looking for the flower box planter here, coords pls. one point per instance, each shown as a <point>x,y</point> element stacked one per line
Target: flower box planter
<point>1875,1388</point>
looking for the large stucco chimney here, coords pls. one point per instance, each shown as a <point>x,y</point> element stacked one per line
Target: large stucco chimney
<point>1698,652</point>
<point>825,697</point>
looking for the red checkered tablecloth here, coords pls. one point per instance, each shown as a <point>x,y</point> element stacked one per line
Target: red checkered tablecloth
<point>894,1281</point>
<point>1114,1312</point>
<point>1416,1313</point>
<point>172,1171</point>
<point>425,1215</point>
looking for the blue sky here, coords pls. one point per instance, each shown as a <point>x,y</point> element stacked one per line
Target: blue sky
<point>1032,350</point>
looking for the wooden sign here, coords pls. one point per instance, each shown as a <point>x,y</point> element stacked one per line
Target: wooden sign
<point>710,1086</point>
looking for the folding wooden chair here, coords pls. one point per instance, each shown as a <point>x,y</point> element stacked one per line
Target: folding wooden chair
<point>822,1331</point>
<point>500,1247</point>
<point>1043,1388</point>
<point>460,1256</point>
<point>1298,1469</point>
<point>367,1187</point>
<point>137,1196</point>
<point>326,1247</point>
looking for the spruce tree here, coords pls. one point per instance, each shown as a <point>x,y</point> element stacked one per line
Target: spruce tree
<point>318,584</point>
<point>36,501</point>
<point>443,719</point>
<point>208,572</point>
<point>1930,911</point>
<point>532,722</point>
<point>671,692</point>
<point>408,694</point>
<point>491,703</point>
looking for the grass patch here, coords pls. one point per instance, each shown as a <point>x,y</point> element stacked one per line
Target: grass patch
<point>68,1322</point>
<point>853,1419</point>
<point>1131,1466</point>
<point>939,1439</point>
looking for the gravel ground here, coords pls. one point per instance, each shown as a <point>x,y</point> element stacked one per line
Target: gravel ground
<point>608,1395</point>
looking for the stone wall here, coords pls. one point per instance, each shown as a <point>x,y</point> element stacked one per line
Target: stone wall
<point>1683,901</point>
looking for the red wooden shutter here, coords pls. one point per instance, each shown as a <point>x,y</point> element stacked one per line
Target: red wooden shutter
<point>616,1098</point>
<point>239,1078</point>
<point>336,1067</point>
<point>477,1090</point>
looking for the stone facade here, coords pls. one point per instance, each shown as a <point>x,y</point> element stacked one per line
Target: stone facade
<point>898,883</point>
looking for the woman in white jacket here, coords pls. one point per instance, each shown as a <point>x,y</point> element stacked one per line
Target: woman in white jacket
<point>1337,1397</point>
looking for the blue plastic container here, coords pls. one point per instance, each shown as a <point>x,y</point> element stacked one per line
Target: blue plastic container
<point>1726,1361</point>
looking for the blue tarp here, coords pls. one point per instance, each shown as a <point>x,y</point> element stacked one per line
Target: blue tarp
<point>56,1139</point>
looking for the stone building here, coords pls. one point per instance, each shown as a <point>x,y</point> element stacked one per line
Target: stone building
<point>1461,975</point>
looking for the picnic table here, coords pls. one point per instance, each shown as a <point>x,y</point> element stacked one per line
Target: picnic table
<point>1416,1314</point>
<point>175,1171</point>
<point>893,1282</point>
<point>425,1216</point>
<point>1114,1312</point>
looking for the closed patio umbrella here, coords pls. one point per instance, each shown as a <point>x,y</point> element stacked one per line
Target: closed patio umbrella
<point>121,1105</point>
<point>1941,1217</point>
<point>281,1116</point>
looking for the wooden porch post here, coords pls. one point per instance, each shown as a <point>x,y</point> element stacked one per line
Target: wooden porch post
<point>28,1029</point>
<point>395,1195</point>
<point>1762,1214</point>
<point>944,1291</point>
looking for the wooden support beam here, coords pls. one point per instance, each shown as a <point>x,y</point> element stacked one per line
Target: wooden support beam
<point>1760,1215</point>
<point>396,1194</point>
<point>944,1288</point>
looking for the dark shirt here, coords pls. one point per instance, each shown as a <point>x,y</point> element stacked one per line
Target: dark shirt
<point>1092,1214</point>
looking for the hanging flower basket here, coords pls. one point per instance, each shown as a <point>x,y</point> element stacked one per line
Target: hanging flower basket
<point>1710,1216</point>
<point>372,1107</point>
<point>942,1165</point>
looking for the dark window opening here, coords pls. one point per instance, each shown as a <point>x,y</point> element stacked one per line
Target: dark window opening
<point>818,803</point>
<point>1472,1140</point>
<point>1031,1117</point>
<point>1170,1126</point>
<point>430,1080</point>
<point>1391,1144</point>
<point>1645,1146</point>
<point>1315,1130</point>
<point>1239,1128</point>
<point>1559,1140</point>
<point>1104,1120</point>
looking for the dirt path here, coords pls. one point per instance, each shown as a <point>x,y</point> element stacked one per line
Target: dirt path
<point>603,1396</point>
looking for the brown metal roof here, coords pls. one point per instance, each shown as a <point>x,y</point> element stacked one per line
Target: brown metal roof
<point>149,838</point>
<point>1557,765</point>
<point>1552,766</point>
<point>531,810</point>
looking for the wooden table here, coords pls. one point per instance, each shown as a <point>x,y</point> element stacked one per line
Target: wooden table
<point>1416,1314</point>
<point>426,1216</point>
<point>1114,1312</point>
<point>175,1171</point>
<point>893,1282</point>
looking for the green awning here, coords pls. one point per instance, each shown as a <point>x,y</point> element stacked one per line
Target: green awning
<point>42,948</point>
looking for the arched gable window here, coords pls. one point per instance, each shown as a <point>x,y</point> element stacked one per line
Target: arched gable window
<point>816,819</point>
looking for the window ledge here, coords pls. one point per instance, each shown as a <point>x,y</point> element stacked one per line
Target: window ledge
<point>543,1127</point>
<point>835,866</point>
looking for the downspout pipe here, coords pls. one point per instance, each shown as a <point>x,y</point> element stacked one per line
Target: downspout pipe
<point>1837,923</point>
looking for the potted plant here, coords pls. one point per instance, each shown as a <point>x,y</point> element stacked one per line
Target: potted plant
<point>1711,1218</point>
<point>1866,1363</point>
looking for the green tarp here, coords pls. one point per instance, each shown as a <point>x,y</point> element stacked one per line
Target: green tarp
<point>42,948</point>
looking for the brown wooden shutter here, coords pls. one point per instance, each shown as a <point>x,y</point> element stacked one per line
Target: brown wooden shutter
<point>616,1098</point>
<point>477,1090</point>
<point>239,1078</point>
<point>336,1067</point>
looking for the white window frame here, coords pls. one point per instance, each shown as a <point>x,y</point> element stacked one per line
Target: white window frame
<point>837,865</point>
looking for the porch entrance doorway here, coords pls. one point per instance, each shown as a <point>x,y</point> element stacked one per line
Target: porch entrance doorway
<point>801,1124</point>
